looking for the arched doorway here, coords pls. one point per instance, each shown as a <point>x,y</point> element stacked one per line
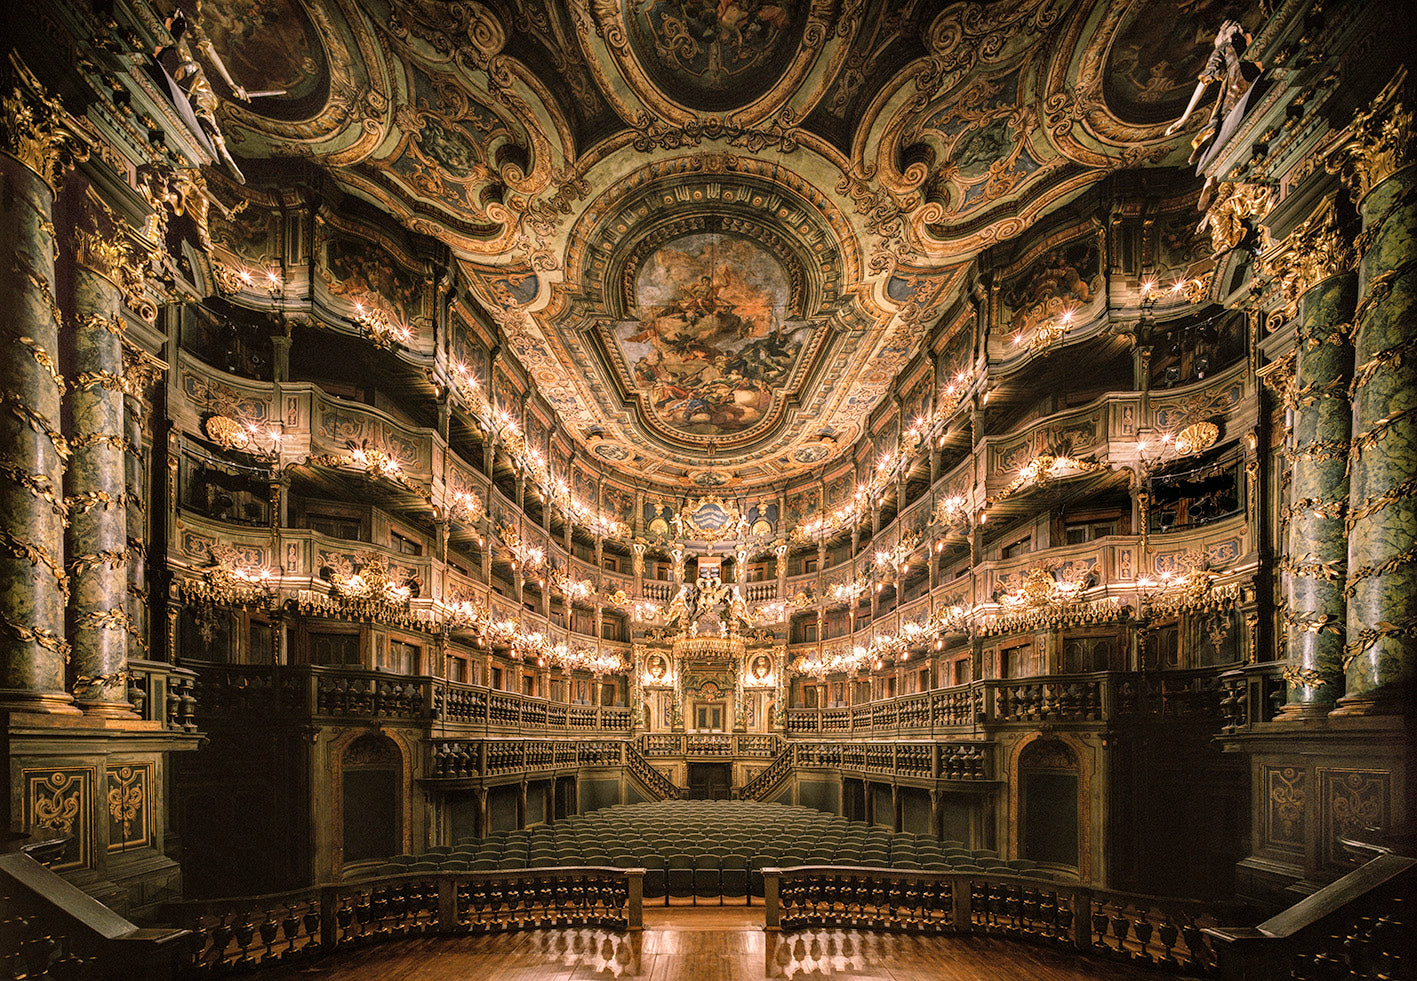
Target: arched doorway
<point>371,791</point>
<point>1048,774</point>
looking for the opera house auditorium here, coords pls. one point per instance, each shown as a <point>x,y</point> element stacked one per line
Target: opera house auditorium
<point>569,489</point>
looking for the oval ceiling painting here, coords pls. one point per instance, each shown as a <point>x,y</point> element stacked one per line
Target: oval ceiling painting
<point>712,342</point>
<point>272,48</point>
<point>715,54</point>
<point>1159,50</point>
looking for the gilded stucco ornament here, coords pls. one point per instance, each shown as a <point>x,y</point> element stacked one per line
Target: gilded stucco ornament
<point>1231,217</point>
<point>1380,142</point>
<point>35,129</point>
<point>1313,252</point>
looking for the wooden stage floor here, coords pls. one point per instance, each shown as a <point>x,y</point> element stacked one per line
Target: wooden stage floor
<point>705,944</point>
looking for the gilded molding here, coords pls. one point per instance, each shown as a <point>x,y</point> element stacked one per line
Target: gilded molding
<point>140,370</point>
<point>1313,252</point>
<point>36,130</point>
<point>1379,143</point>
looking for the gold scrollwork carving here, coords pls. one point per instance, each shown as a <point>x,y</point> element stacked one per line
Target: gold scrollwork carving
<point>1379,142</point>
<point>116,440</point>
<point>88,500</point>
<point>1314,623</point>
<point>110,380</point>
<point>1313,252</point>
<point>126,797</point>
<point>1391,357</point>
<point>1389,497</point>
<point>37,555</point>
<point>38,484</point>
<point>36,422</point>
<point>1369,636</point>
<point>56,806</point>
<point>1330,571</point>
<point>100,252</point>
<point>112,619</point>
<point>114,324</point>
<point>1378,431</point>
<point>1230,217</point>
<point>36,130</point>
<point>112,557</point>
<point>45,361</point>
<point>1407,556</point>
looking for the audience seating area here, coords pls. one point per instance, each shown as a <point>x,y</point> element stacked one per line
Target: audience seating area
<point>693,850</point>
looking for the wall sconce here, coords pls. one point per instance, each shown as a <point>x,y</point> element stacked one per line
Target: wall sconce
<point>375,322</point>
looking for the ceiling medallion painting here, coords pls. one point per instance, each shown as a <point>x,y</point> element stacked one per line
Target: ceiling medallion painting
<point>272,50</point>
<point>712,343</point>
<point>715,54</point>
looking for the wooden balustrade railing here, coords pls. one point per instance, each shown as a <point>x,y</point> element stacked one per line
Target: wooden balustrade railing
<point>656,782</point>
<point>245,934</point>
<point>50,928</point>
<point>244,691</point>
<point>763,745</point>
<point>1165,933</point>
<point>1361,926</point>
<point>163,693</point>
<point>932,760</point>
<point>762,785</point>
<point>1053,699</point>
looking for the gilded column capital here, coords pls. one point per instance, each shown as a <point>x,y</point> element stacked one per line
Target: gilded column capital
<point>1279,376</point>
<point>36,130</point>
<point>106,246</point>
<point>140,370</point>
<point>1313,252</point>
<point>1379,142</point>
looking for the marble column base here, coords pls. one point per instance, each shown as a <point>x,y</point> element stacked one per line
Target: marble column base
<point>50,703</point>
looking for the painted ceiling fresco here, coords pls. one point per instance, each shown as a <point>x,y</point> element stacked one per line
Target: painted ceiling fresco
<point>712,345</point>
<point>713,231</point>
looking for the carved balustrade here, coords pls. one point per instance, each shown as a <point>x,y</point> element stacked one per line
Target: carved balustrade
<point>657,782</point>
<point>708,744</point>
<point>1360,926</point>
<point>1080,699</point>
<point>1251,695</point>
<point>49,928</point>
<point>163,693</point>
<point>765,782</point>
<point>1138,929</point>
<point>246,934</point>
<point>925,761</point>
<point>235,692</point>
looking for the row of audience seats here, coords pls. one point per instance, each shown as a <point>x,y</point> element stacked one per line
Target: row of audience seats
<point>703,849</point>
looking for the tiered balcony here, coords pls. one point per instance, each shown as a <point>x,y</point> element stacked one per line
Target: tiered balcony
<point>1072,700</point>
<point>232,693</point>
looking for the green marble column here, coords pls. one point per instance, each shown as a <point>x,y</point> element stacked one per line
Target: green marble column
<point>135,525</point>
<point>1382,547</point>
<point>96,483</point>
<point>1317,546</point>
<point>33,647</point>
